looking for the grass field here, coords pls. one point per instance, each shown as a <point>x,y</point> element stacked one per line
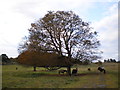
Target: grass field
<point>25,77</point>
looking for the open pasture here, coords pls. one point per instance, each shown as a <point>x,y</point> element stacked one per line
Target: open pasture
<point>25,77</point>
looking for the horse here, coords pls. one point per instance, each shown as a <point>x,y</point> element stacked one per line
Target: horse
<point>89,69</point>
<point>102,69</point>
<point>62,71</point>
<point>74,71</point>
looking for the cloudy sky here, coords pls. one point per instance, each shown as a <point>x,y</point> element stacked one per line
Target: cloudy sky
<point>16,17</point>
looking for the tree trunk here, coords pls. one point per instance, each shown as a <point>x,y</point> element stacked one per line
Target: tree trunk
<point>69,70</point>
<point>34,68</point>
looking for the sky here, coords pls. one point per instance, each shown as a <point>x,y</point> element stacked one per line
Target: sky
<point>16,17</point>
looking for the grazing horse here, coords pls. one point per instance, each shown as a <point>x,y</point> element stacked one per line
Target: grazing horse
<point>101,69</point>
<point>89,69</point>
<point>62,71</point>
<point>74,71</point>
<point>16,68</point>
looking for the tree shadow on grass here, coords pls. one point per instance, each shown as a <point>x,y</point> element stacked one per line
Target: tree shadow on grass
<point>36,74</point>
<point>30,75</point>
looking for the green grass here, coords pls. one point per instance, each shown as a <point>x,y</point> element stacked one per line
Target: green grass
<point>25,77</point>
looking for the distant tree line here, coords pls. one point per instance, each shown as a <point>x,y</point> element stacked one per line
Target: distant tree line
<point>110,60</point>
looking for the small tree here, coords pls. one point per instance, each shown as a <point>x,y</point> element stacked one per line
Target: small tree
<point>5,59</point>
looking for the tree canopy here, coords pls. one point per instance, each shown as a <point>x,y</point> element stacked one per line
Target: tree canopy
<point>62,32</point>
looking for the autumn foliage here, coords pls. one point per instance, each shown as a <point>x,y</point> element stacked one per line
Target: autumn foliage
<point>43,59</point>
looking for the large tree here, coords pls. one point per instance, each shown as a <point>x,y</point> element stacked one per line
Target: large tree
<point>64,33</point>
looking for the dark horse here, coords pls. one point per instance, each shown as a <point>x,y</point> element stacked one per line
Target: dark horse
<point>74,71</point>
<point>101,69</point>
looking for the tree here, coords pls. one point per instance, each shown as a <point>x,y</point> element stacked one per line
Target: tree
<point>105,60</point>
<point>64,33</point>
<point>114,60</point>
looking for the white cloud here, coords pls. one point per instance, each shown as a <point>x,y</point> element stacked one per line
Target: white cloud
<point>108,28</point>
<point>37,9</point>
<point>112,10</point>
<point>14,26</point>
<point>108,33</point>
